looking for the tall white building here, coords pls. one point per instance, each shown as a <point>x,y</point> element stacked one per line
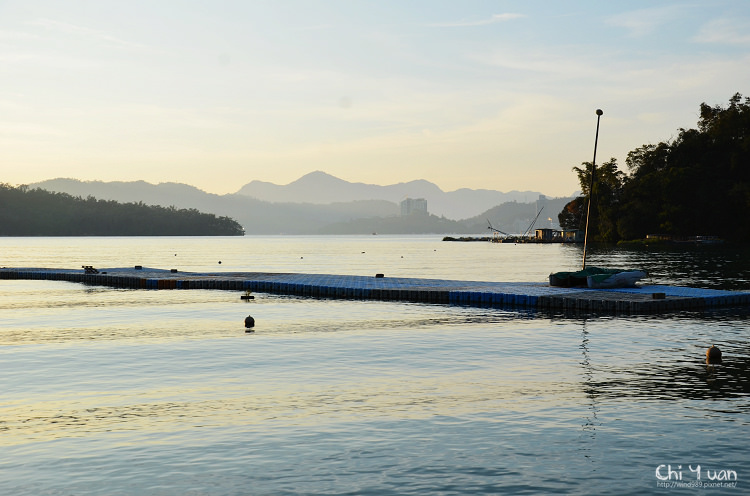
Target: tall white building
<point>411,205</point>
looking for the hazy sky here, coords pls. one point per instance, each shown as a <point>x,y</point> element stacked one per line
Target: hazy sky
<point>477,94</point>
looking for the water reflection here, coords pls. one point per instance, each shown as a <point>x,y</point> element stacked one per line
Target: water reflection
<point>713,267</point>
<point>114,388</point>
<point>591,422</point>
<point>682,380</point>
<point>278,404</point>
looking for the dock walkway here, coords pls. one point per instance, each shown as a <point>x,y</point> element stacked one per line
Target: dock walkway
<point>646,299</point>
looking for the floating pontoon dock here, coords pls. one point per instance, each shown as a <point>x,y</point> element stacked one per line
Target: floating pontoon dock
<point>644,299</point>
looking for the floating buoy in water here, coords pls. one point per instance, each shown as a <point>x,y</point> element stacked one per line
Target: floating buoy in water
<point>249,322</point>
<point>247,296</point>
<point>713,355</point>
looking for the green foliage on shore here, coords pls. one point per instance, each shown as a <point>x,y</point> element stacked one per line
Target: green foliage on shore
<point>36,212</point>
<point>695,184</point>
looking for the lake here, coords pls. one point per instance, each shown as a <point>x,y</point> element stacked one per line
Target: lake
<point>141,392</point>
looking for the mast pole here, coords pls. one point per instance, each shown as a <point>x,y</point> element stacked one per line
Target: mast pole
<point>591,186</point>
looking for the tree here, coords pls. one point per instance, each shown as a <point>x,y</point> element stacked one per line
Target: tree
<point>37,212</point>
<point>573,215</point>
<point>698,183</point>
<point>607,189</point>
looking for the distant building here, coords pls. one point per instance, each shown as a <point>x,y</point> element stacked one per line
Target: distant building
<point>412,205</point>
<point>547,235</point>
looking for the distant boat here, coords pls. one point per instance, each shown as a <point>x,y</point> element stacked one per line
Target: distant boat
<point>707,240</point>
<point>685,240</point>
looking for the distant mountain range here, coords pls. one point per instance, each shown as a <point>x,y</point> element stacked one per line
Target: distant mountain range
<point>256,216</point>
<point>320,188</point>
<point>321,203</point>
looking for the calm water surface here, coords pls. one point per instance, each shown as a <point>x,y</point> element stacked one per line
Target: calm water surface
<point>133,392</point>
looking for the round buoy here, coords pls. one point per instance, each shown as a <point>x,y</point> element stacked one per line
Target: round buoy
<point>249,321</point>
<point>713,354</point>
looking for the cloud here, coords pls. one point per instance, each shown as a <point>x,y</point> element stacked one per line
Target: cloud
<point>564,62</point>
<point>481,22</point>
<point>28,129</point>
<point>726,31</point>
<point>84,32</point>
<point>644,21</point>
<point>17,36</point>
<point>315,27</point>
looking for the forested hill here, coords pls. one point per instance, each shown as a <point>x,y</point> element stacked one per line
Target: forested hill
<point>36,212</point>
<point>697,183</point>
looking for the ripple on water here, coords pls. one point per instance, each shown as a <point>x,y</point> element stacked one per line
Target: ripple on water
<point>115,392</point>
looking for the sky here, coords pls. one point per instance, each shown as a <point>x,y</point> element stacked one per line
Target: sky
<point>466,94</point>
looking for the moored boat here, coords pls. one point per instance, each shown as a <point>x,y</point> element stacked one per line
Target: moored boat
<point>597,277</point>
